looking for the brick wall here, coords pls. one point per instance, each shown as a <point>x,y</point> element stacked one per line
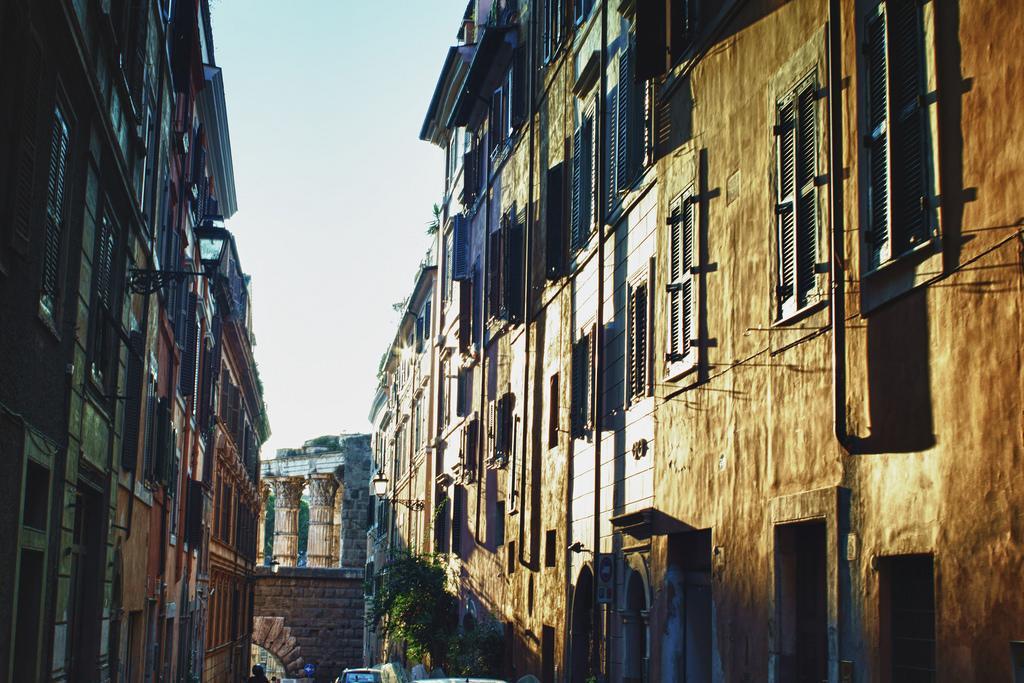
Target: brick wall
<point>322,610</point>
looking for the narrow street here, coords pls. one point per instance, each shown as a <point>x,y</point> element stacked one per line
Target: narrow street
<point>511,341</point>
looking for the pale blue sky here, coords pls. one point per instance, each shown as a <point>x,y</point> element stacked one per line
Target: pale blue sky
<point>325,101</point>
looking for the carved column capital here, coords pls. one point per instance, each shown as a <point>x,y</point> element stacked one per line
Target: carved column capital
<point>287,491</point>
<point>322,488</point>
<point>264,494</point>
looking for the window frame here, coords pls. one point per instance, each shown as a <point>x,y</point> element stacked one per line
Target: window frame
<point>680,362</point>
<point>639,288</point>
<point>882,133</point>
<point>50,302</point>
<point>790,305</point>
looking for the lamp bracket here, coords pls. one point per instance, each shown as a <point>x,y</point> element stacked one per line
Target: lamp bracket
<point>148,281</point>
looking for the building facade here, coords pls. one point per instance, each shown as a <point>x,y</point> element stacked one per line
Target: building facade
<point>115,167</point>
<point>713,279</point>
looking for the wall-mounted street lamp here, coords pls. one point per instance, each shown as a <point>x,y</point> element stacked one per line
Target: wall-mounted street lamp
<point>274,566</point>
<point>212,237</point>
<point>380,489</point>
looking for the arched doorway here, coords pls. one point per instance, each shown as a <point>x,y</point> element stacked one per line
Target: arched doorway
<point>635,635</point>
<point>582,627</point>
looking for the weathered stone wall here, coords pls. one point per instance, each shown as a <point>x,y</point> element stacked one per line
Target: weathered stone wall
<point>355,500</point>
<point>321,618</point>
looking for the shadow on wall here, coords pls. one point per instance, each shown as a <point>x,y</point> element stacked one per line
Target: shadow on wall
<point>899,379</point>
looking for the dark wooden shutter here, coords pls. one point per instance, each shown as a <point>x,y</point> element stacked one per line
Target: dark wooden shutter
<point>460,248</point>
<point>908,120</point>
<point>577,189</point>
<point>807,204</point>
<point>688,302</point>
<point>470,174</point>
<point>25,175</point>
<point>513,282</point>
<point>878,142</point>
<point>494,126</point>
<point>638,341</point>
<point>682,246</point>
<point>554,222</point>
<point>164,450</point>
<point>786,207</point>
<point>194,514</point>
<point>626,152</point>
<point>494,265</point>
<point>104,261</point>
<point>472,436</point>
<point>55,203</point>
<point>520,99</point>
<point>458,511</point>
<point>612,136</point>
<point>186,378</point>
<point>591,190</point>
<point>581,384</point>
<point>684,24</point>
<point>675,280</point>
<point>651,39</point>
<point>133,402</point>
<point>149,442</point>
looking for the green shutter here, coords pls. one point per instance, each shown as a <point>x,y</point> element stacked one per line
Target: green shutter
<point>59,141</point>
<point>907,118</point>
<point>877,237</point>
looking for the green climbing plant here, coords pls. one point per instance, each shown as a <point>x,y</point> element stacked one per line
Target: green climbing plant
<point>415,605</point>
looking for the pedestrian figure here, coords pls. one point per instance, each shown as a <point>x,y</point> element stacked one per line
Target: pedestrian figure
<point>258,675</point>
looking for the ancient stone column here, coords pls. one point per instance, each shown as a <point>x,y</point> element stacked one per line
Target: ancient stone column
<point>287,497</point>
<point>322,488</point>
<point>339,499</point>
<point>261,526</point>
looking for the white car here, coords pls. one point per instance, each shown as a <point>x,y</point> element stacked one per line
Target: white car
<point>359,676</point>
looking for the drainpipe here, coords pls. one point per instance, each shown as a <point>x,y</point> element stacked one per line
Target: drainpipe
<point>835,209</point>
<point>527,272</point>
<point>601,178</point>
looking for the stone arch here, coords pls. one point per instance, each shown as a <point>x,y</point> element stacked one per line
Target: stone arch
<point>275,637</point>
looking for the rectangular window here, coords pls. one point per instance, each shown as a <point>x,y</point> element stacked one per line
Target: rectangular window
<point>499,524</point>
<point>899,215</point>
<point>503,436</point>
<point>639,384</point>
<point>907,618</point>
<point>802,609</point>
<point>796,209</point>
<point>551,548</point>
<point>444,395</point>
<point>464,393</point>
<point>554,222</point>
<point>625,130</point>
<point>511,565</point>
<point>582,182</point>
<point>469,449</point>
<point>554,15</point>
<point>505,268</point>
<point>458,512</point>
<point>54,232</point>
<point>449,254</point>
<point>681,287</point>
<point>554,408</point>
<point>582,385</point>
